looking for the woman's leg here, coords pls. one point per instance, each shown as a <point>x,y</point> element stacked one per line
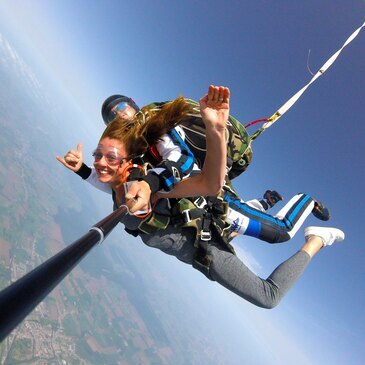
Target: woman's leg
<point>228,270</point>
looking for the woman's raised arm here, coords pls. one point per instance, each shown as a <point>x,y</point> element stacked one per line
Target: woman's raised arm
<point>214,109</point>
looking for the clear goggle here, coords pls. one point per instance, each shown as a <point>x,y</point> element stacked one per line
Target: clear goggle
<point>111,155</point>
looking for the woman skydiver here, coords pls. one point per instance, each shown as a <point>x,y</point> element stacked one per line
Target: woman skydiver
<point>112,164</point>
<point>177,162</point>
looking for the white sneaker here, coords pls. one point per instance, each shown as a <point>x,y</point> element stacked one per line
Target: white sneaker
<point>327,234</point>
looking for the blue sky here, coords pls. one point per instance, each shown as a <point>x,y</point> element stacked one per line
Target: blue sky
<point>159,50</point>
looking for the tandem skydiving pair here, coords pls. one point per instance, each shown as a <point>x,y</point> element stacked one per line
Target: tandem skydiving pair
<point>189,211</point>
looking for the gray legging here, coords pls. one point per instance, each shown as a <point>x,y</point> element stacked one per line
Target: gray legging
<point>229,271</point>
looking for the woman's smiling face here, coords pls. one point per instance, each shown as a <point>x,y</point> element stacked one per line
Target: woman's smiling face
<point>110,160</point>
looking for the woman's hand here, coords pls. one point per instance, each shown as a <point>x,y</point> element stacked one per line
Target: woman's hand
<point>138,196</point>
<point>214,107</point>
<point>72,159</point>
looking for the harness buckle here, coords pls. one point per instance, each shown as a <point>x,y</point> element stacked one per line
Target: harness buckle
<point>186,215</point>
<point>205,236</point>
<point>200,202</point>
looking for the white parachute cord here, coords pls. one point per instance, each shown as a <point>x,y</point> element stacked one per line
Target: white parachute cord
<point>285,107</point>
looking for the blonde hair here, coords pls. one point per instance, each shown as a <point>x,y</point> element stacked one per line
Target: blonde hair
<point>147,127</point>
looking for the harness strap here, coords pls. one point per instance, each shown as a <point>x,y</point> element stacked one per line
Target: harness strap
<point>153,223</point>
<point>209,222</point>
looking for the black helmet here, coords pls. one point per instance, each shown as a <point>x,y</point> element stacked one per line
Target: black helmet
<point>111,102</point>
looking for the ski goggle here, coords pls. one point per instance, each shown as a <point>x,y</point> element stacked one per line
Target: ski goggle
<point>121,107</point>
<point>111,155</point>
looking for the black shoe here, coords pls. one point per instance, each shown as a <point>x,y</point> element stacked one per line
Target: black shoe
<point>320,211</point>
<point>272,197</point>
